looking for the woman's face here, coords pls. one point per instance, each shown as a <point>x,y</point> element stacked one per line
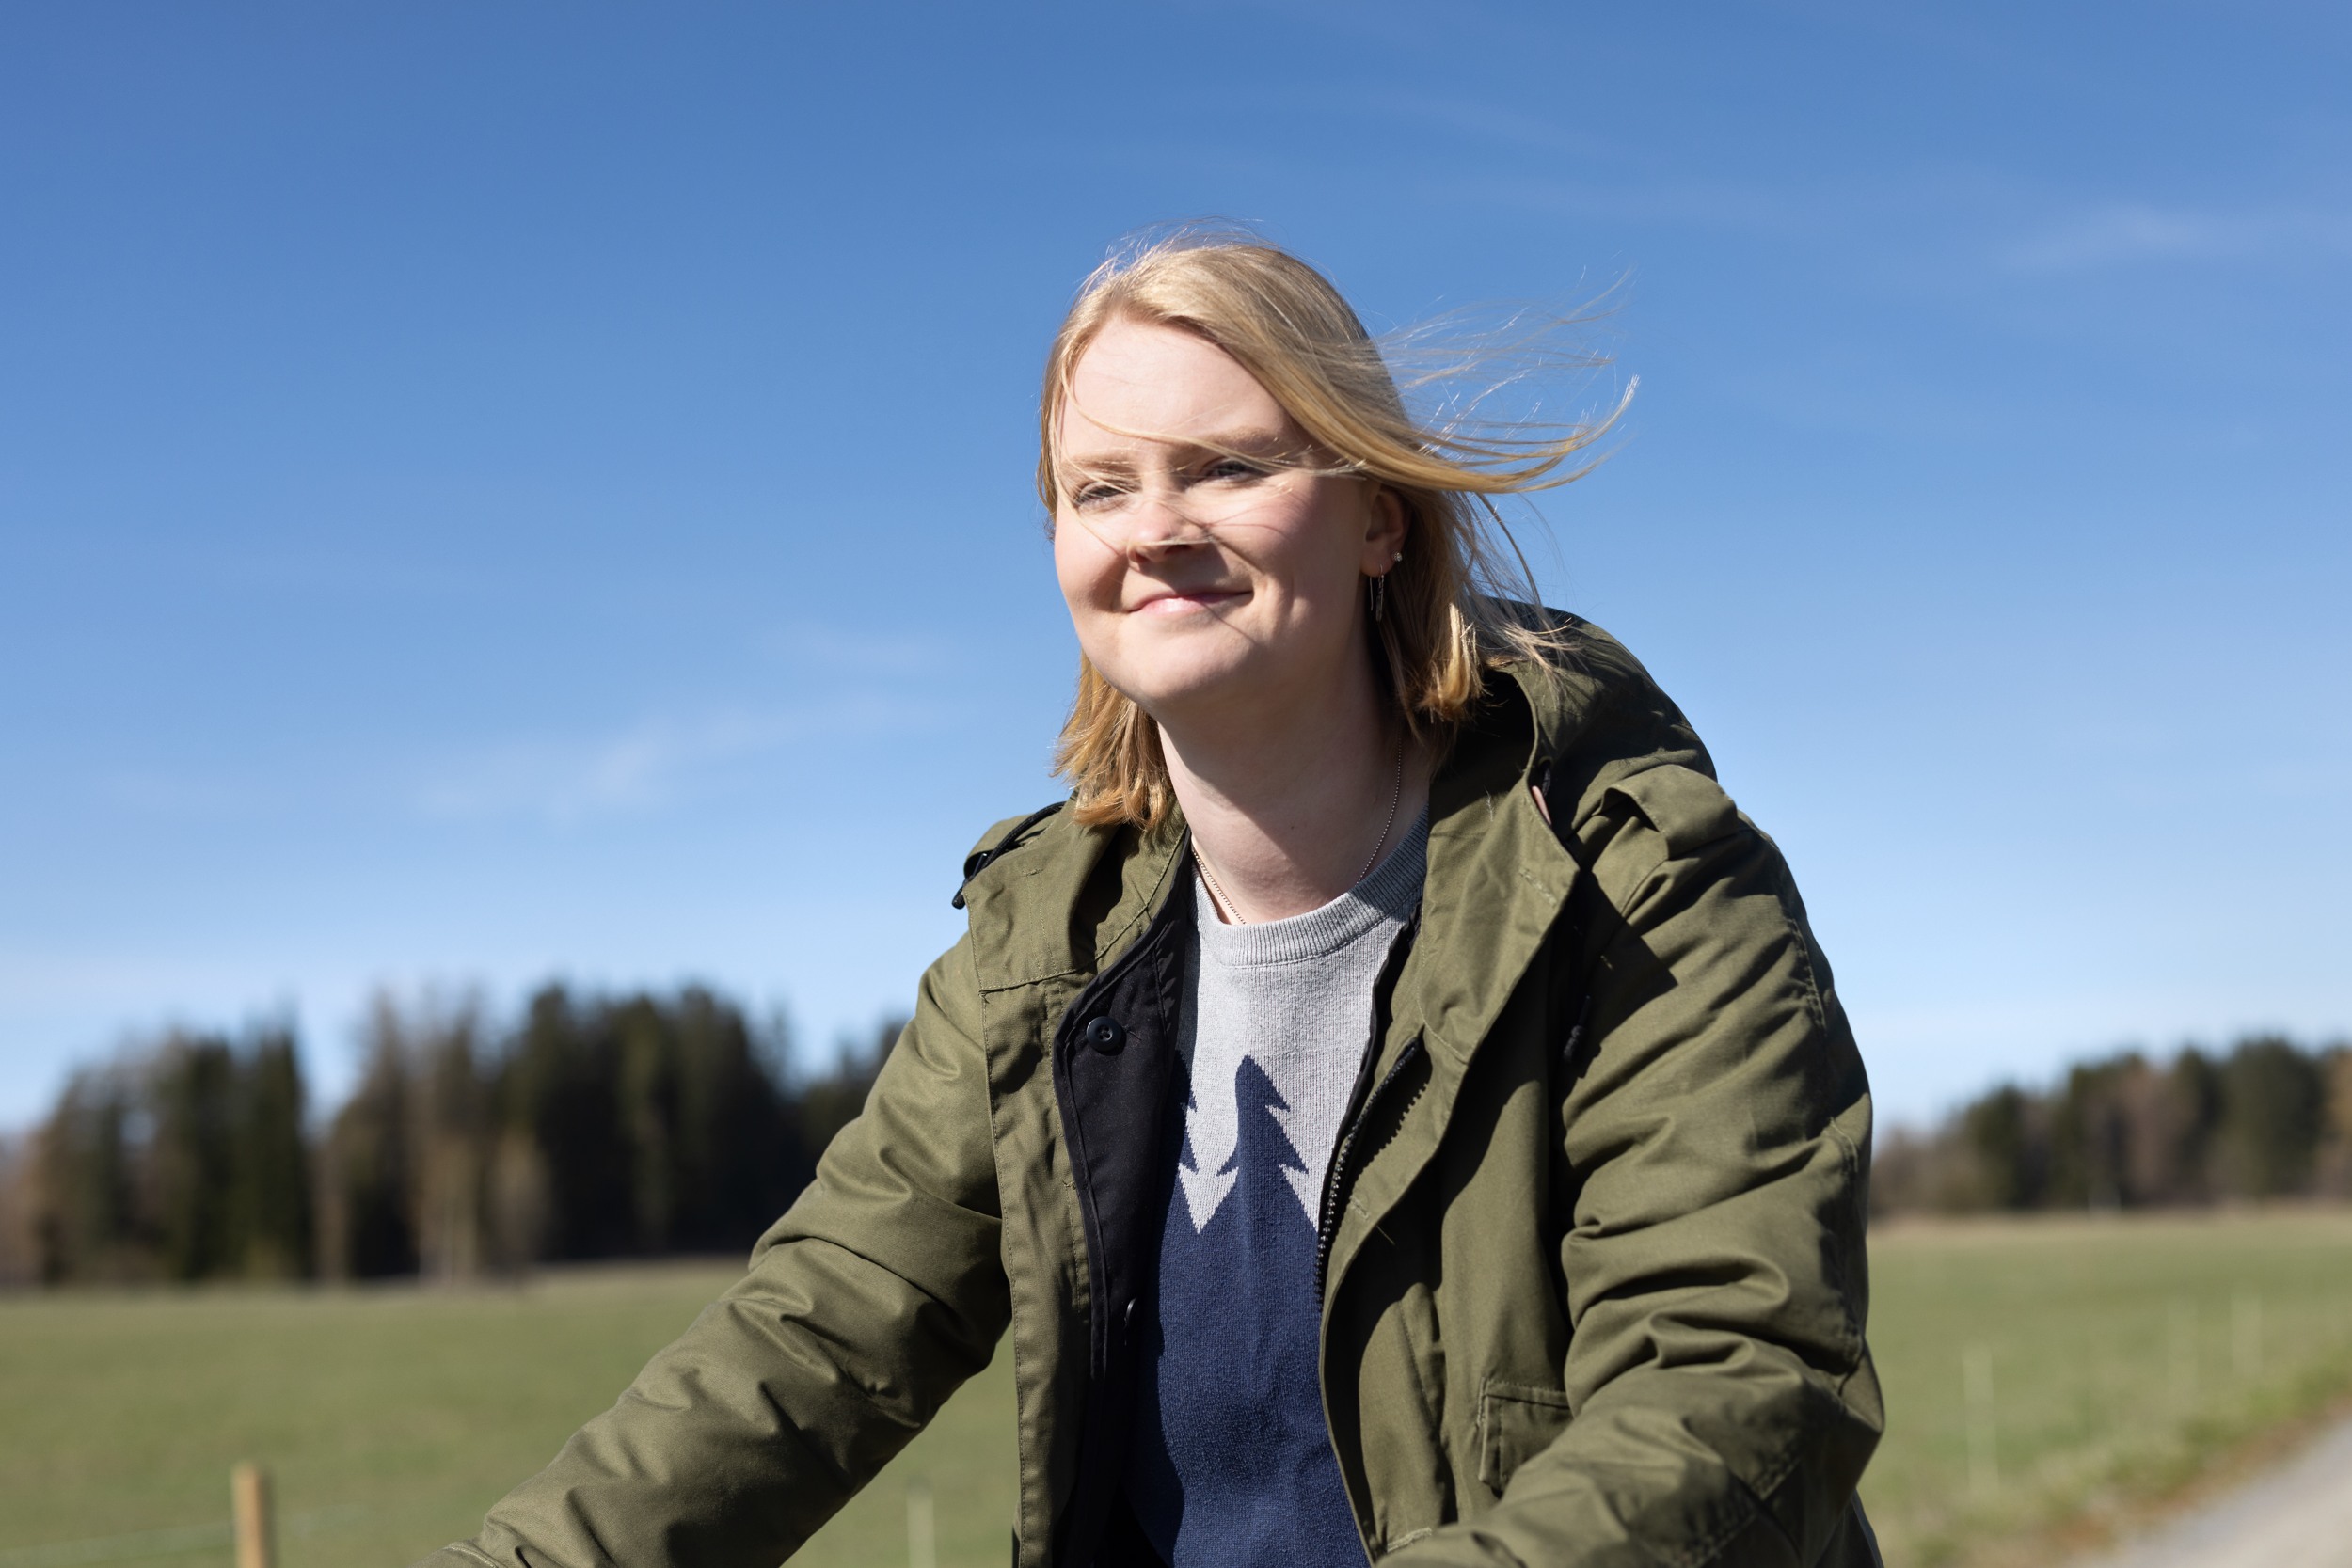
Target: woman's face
<point>1204,570</point>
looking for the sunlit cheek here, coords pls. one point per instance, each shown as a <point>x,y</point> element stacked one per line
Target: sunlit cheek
<point>1078,567</point>
<point>1288,548</point>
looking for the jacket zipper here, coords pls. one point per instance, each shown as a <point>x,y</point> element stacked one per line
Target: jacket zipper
<point>1361,1097</point>
<point>1335,1179</point>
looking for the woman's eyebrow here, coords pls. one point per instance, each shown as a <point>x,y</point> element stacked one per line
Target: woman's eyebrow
<point>1254,443</point>
<point>1122,462</point>
<point>1108,465</point>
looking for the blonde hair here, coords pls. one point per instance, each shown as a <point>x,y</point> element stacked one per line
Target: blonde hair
<point>1461,600</point>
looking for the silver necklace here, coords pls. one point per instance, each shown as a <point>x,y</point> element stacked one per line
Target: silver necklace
<point>1396,794</point>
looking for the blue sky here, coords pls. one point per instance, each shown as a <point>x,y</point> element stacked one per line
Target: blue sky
<point>492,492</point>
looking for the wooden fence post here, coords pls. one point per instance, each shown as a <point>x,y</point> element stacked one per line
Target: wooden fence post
<point>1984,1464</point>
<point>2183,1356</point>
<point>922,1540</point>
<point>249,1495</point>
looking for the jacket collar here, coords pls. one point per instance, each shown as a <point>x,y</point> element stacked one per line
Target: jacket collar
<point>1496,877</point>
<point>1064,902</point>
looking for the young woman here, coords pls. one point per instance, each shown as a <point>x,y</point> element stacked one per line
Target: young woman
<point>1396,1104</point>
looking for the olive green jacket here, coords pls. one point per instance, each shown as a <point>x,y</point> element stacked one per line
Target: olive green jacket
<point>1594,1285</point>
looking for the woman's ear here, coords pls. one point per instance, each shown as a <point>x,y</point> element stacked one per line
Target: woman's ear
<point>1384,529</point>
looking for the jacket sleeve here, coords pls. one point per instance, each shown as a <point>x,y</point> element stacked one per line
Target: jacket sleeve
<point>866,1305</point>
<point>1722,1402</point>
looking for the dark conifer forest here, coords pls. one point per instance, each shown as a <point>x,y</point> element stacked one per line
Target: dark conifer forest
<point>589,1127</point>
<point>2267,1119</point>
<point>643,1125</point>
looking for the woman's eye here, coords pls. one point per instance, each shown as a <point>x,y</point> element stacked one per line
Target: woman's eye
<point>1093,495</point>
<point>1233,468</point>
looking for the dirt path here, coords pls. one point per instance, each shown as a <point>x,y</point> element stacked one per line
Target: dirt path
<point>2298,1515</point>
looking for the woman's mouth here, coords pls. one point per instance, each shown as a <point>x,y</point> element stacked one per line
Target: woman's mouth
<point>1190,601</point>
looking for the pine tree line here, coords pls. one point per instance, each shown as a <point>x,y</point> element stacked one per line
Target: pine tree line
<point>2267,1119</point>
<point>643,1124</point>
<point>590,1127</point>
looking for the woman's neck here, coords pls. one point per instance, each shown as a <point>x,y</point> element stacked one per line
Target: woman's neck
<point>1285,802</point>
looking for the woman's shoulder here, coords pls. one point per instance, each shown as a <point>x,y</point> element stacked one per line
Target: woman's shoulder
<point>1612,751</point>
<point>1595,710</point>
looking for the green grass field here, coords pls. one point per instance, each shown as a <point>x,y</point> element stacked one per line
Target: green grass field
<point>2122,1358</point>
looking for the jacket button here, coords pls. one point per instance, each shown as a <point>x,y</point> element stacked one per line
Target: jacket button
<point>1106,1035</point>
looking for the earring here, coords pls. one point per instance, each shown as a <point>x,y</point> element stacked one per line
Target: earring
<point>1380,597</point>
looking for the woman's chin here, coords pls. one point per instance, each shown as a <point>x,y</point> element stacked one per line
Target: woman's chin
<point>1187,695</point>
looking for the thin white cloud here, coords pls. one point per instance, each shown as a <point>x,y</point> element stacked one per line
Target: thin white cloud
<point>832,648</point>
<point>2125,234</point>
<point>1509,127</point>
<point>648,766</point>
<point>1700,204</point>
<point>37,978</point>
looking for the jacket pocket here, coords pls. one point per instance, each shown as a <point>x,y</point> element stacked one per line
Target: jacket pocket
<point>1515,1422</point>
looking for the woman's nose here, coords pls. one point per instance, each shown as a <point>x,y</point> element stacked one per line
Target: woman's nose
<point>1157,525</point>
